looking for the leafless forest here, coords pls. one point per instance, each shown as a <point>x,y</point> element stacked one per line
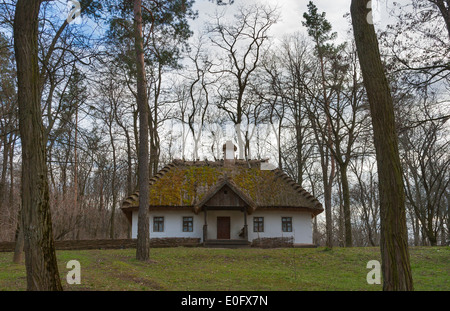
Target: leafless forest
<point>297,99</point>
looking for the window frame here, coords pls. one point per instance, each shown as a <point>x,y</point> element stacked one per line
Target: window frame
<point>158,223</point>
<point>258,225</point>
<point>286,224</point>
<point>186,221</point>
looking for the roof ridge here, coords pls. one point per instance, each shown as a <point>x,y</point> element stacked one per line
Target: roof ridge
<point>220,162</point>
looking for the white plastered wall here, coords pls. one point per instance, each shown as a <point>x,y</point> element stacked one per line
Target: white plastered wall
<point>301,226</point>
<point>173,224</point>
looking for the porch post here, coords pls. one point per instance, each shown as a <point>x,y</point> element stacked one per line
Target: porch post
<point>245,224</point>
<point>205,225</point>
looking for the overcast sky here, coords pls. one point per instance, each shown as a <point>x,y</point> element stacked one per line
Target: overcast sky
<point>291,12</point>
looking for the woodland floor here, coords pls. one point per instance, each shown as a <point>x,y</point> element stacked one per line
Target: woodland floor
<point>201,269</point>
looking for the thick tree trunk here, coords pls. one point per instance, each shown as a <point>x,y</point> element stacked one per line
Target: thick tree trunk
<point>143,238</point>
<point>40,256</point>
<point>394,240</point>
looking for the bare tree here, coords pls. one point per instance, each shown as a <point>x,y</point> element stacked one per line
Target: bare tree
<point>8,138</point>
<point>40,256</point>
<point>444,9</point>
<point>241,41</point>
<point>424,21</point>
<point>321,93</point>
<point>394,240</point>
<point>364,194</point>
<point>143,244</point>
<point>296,55</point>
<point>346,123</point>
<point>199,93</point>
<point>425,153</point>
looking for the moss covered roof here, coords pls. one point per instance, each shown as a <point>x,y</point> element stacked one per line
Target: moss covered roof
<point>185,184</point>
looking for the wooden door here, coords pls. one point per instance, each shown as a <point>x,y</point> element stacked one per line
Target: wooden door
<point>223,228</point>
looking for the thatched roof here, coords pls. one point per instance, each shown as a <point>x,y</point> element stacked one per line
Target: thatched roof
<point>184,184</point>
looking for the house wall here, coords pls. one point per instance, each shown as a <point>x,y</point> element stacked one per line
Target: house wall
<point>301,226</point>
<point>173,224</point>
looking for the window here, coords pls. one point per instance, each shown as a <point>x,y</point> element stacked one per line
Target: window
<point>286,224</point>
<point>258,224</point>
<point>158,224</point>
<point>188,224</point>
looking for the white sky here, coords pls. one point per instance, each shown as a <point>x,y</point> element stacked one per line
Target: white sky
<point>291,12</point>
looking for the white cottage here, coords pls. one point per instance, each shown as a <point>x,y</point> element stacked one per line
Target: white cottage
<point>227,203</point>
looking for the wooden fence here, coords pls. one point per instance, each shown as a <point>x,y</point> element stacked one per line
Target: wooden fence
<point>111,244</point>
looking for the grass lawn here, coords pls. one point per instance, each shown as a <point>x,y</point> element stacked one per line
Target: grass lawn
<point>195,269</point>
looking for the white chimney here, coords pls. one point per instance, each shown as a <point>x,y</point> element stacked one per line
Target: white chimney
<point>229,149</point>
<point>266,166</point>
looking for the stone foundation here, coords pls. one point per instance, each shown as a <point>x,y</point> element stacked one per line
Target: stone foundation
<point>273,242</point>
<point>174,242</point>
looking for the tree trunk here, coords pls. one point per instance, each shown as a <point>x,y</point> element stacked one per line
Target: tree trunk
<point>394,240</point>
<point>6,146</point>
<point>40,255</point>
<point>327,179</point>
<point>416,228</point>
<point>328,217</point>
<point>143,238</point>
<point>448,219</point>
<point>113,182</point>
<point>18,247</point>
<point>346,205</point>
<point>11,201</point>
<point>300,150</point>
<point>430,231</point>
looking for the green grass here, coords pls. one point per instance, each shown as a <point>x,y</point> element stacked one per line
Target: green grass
<point>184,269</point>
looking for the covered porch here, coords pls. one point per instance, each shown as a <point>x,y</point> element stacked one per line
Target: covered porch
<point>225,227</point>
<point>225,209</point>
